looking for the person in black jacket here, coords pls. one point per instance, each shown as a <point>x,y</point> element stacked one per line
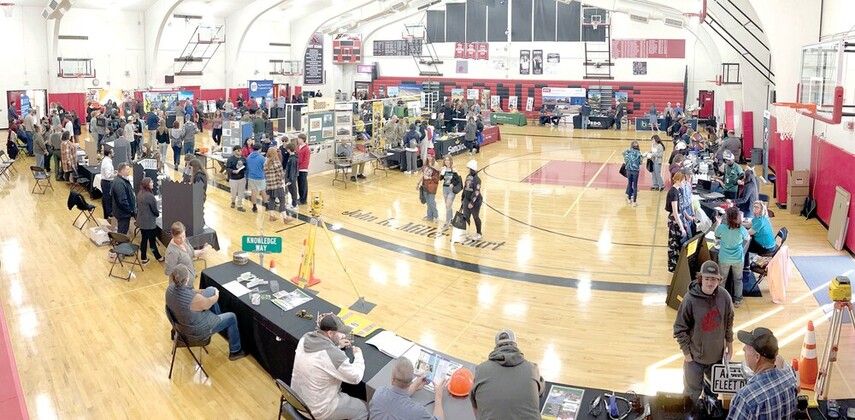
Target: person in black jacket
<point>291,173</point>
<point>124,202</point>
<point>472,199</point>
<point>236,169</point>
<point>147,214</point>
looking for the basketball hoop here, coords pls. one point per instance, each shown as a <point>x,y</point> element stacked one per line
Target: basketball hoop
<point>7,8</point>
<point>787,116</point>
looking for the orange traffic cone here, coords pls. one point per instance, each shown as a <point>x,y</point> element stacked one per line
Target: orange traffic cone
<point>273,265</point>
<point>808,367</point>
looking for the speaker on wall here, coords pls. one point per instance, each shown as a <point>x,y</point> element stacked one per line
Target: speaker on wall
<point>169,79</point>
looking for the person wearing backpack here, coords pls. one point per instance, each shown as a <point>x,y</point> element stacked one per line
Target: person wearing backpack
<point>632,161</point>
<point>452,184</point>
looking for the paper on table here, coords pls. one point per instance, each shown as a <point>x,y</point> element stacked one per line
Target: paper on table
<point>236,288</point>
<point>390,344</point>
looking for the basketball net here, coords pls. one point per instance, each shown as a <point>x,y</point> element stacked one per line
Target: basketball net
<point>7,9</point>
<point>787,115</point>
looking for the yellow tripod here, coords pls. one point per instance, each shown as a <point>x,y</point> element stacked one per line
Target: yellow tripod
<point>306,275</point>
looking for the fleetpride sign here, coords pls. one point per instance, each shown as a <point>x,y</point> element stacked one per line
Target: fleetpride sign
<point>262,244</point>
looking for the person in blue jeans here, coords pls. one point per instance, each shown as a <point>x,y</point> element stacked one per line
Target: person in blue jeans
<point>585,112</point>
<point>632,160</point>
<point>731,255</point>
<point>197,313</point>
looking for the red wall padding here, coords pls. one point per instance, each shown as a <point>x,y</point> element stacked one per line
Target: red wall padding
<point>71,102</point>
<point>641,94</point>
<point>830,167</point>
<point>780,159</point>
<point>747,133</point>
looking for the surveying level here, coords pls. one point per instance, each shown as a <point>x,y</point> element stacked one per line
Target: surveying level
<point>840,292</point>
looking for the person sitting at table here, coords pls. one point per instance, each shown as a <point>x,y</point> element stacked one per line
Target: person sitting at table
<point>748,192</point>
<point>732,173</point>
<point>556,116</point>
<point>359,155</point>
<point>544,116</point>
<point>198,313</point>
<point>180,252</point>
<point>395,402</point>
<point>506,386</point>
<point>320,366</point>
<point>731,255</point>
<point>762,235</point>
<point>773,390</point>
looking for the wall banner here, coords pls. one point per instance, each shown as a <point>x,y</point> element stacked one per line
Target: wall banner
<point>525,61</point>
<point>313,61</point>
<point>648,48</point>
<point>537,62</point>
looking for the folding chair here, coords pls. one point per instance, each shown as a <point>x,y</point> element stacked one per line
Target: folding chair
<point>80,184</point>
<point>5,161</point>
<point>123,248</point>
<point>181,340</point>
<point>291,404</point>
<point>76,200</point>
<point>759,266</point>
<point>42,180</point>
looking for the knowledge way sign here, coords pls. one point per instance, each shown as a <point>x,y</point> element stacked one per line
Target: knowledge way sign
<point>262,244</point>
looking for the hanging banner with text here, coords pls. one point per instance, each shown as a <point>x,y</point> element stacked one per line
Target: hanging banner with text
<point>313,61</point>
<point>525,61</point>
<point>648,48</point>
<point>537,62</point>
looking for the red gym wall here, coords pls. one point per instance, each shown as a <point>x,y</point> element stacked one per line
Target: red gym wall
<point>71,102</point>
<point>641,94</point>
<point>831,166</point>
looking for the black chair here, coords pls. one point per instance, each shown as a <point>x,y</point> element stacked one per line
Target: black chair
<point>42,180</point>
<point>181,340</point>
<point>7,166</point>
<point>76,200</point>
<point>759,265</point>
<point>291,404</point>
<point>123,248</point>
<point>80,184</point>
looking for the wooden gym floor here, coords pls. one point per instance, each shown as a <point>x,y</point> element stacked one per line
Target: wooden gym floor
<point>564,262</point>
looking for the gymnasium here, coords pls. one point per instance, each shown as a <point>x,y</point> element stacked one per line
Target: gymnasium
<point>437,209</point>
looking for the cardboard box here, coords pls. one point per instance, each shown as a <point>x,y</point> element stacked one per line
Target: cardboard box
<point>798,190</point>
<point>798,178</point>
<point>796,208</point>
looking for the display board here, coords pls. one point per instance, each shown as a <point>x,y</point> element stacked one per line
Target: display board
<point>321,126</point>
<point>563,97</point>
<point>398,48</point>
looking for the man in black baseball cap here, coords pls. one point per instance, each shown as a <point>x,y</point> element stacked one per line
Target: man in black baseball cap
<point>772,392</point>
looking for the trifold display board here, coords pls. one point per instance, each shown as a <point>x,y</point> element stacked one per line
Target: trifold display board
<point>321,126</point>
<point>694,253</point>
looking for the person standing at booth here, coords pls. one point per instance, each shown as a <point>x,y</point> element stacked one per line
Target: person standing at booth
<point>124,204</point>
<point>304,154</point>
<point>704,329</point>
<point>657,153</point>
<point>585,112</point>
<point>732,238</point>
<point>677,230</point>
<point>108,174</point>
<point>147,214</point>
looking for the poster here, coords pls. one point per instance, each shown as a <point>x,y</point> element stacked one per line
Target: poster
<point>24,102</point>
<point>525,61</point>
<point>472,94</point>
<point>512,103</point>
<point>313,61</point>
<point>495,102</point>
<point>562,402</point>
<point>639,68</point>
<point>553,58</point>
<point>392,91</point>
<point>537,62</point>
<point>529,104</point>
<point>459,50</point>
<point>562,97</point>
<point>461,67</point>
<point>261,89</point>
<point>343,121</point>
<point>472,50</point>
<point>483,51</point>
<point>456,94</point>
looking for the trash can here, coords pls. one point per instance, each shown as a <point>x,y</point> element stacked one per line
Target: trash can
<point>756,156</point>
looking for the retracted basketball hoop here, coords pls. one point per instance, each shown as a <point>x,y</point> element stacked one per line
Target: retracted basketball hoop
<point>787,115</point>
<point>7,8</point>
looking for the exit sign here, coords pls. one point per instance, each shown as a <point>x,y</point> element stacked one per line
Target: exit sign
<point>262,244</point>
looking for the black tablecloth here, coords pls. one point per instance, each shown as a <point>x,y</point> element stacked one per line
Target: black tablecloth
<point>270,335</point>
<point>398,158</point>
<point>596,122</point>
<point>452,144</point>
<point>89,173</point>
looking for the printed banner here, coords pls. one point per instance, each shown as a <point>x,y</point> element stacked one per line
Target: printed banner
<point>313,61</point>
<point>639,68</point>
<point>472,94</point>
<point>483,50</point>
<point>461,66</point>
<point>260,89</point>
<point>537,62</point>
<point>648,48</point>
<point>529,104</point>
<point>495,102</point>
<point>525,61</point>
<point>512,103</point>
<point>457,93</point>
<point>553,58</point>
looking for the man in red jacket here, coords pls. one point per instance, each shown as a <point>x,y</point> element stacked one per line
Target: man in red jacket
<point>303,156</point>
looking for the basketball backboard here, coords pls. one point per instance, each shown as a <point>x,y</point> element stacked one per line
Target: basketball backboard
<point>822,77</point>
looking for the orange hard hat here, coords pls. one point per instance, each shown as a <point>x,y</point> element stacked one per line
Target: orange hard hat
<point>460,383</point>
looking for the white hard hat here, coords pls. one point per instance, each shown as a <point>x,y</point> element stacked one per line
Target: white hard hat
<point>681,145</point>
<point>472,164</point>
<point>727,155</point>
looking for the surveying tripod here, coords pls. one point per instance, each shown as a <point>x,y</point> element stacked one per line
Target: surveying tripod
<point>829,354</point>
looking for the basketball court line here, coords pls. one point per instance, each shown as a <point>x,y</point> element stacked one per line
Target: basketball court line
<point>588,185</point>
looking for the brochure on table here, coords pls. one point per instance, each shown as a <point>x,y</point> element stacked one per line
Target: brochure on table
<point>562,402</point>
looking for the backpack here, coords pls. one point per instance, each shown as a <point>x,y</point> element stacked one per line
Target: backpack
<point>456,183</point>
<point>12,149</point>
<point>809,209</point>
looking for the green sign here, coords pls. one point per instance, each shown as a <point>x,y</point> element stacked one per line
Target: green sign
<point>262,244</point>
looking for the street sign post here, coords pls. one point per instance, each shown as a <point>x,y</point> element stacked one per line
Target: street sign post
<point>262,244</point>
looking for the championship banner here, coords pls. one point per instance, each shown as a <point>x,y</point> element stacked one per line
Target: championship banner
<point>525,61</point>
<point>495,102</point>
<point>648,48</point>
<point>483,51</point>
<point>472,50</point>
<point>537,62</point>
<point>459,50</point>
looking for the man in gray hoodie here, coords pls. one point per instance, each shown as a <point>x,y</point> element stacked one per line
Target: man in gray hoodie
<point>507,386</point>
<point>704,328</point>
<point>190,131</point>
